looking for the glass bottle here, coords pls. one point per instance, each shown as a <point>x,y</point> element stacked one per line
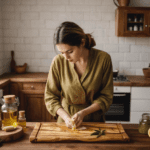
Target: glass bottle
<point>1,94</point>
<point>144,123</point>
<point>0,120</point>
<point>9,110</point>
<point>22,119</point>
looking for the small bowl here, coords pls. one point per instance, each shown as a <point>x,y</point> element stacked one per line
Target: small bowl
<point>21,69</point>
<point>146,72</point>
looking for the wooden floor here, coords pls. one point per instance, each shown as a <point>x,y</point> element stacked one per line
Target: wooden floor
<point>137,142</point>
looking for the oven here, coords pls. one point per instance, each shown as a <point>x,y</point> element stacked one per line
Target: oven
<point>120,108</point>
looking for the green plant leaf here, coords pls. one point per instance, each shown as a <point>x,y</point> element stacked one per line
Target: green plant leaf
<point>103,132</point>
<point>99,135</point>
<point>95,133</point>
<point>98,132</point>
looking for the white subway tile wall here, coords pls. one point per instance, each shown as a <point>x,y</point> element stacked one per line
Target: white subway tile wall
<point>1,42</point>
<point>27,27</point>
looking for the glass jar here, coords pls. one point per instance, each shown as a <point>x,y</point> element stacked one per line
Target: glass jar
<point>9,110</point>
<point>1,95</point>
<point>144,123</point>
<point>141,28</point>
<point>0,120</point>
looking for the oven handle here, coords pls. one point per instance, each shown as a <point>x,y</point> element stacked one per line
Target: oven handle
<point>119,94</point>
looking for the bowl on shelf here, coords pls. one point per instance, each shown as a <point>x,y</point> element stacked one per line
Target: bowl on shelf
<point>146,72</point>
<point>21,69</point>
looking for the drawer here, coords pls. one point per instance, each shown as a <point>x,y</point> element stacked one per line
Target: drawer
<point>122,89</point>
<point>136,117</point>
<point>140,93</point>
<point>140,105</point>
<point>34,86</point>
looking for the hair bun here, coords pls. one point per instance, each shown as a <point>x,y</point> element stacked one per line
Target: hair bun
<point>90,41</point>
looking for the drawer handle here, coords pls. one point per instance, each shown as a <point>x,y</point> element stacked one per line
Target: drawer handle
<point>119,95</point>
<point>32,87</point>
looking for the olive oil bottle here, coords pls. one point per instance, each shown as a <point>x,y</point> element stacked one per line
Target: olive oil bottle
<point>9,118</point>
<point>22,119</point>
<point>9,111</point>
<point>0,120</point>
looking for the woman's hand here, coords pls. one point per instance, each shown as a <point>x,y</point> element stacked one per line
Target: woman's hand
<point>68,122</point>
<point>78,118</point>
<point>65,116</point>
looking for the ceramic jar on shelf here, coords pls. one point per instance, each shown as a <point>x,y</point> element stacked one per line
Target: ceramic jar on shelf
<point>135,28</point>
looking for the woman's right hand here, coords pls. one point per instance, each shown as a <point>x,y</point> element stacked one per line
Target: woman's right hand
<point>68,122</point>
<point>65,116</point>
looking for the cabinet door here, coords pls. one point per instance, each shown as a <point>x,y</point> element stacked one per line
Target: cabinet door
<point>149,23</point>
<point>33,104</point>
<point>141,93</point>
<point>14,89</point>
<point>6,90</point>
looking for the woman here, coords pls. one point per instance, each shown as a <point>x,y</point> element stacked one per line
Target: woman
<point>81,75</point>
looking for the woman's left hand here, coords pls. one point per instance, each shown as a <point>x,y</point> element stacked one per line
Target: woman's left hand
<point>78,118</point>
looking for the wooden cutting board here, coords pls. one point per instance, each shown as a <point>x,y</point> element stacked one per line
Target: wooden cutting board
<point>58,132</point>
<point>11,135</point>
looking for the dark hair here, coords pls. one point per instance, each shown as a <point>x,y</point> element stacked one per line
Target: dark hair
<point>72,34</point>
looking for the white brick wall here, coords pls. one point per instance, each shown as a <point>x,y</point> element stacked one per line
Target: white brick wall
<point>1,42</point>
<point>27,27</point>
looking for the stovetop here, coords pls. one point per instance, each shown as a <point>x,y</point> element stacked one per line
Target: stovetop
<point>121,78</point>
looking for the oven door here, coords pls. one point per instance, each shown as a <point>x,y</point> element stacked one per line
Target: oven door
<point>120,108</point>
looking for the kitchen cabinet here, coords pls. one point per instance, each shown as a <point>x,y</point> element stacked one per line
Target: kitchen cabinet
<point>132,22</point>
<point>5,90</point>
<point>31,97</point>
<point>14,88</point>
<point>5,87</point>
<point>140,102</point>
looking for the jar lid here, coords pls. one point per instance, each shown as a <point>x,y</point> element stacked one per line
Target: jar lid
<point>146,116</point>
<point>22,113</point>
<point>9,99</point>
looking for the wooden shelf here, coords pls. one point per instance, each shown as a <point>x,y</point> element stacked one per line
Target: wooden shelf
<point>135,22</point>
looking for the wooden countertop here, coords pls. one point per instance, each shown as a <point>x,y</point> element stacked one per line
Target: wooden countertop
<point>137,141</point>
<point>42,77</point>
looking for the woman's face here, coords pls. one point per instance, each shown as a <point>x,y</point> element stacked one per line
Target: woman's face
<point>71,53</point>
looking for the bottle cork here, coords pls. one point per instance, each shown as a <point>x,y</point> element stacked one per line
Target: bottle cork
<point>21,113</point>
<point>9,99</point>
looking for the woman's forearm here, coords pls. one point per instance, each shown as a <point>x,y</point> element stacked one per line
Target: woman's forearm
<point>63,114</point>
<point>94,107</point>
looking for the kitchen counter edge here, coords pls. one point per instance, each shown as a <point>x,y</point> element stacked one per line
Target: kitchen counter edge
<point>42,77</point>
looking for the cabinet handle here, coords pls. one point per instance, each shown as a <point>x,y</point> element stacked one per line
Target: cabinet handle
<point>145,25</point>
<point>32,87</point>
